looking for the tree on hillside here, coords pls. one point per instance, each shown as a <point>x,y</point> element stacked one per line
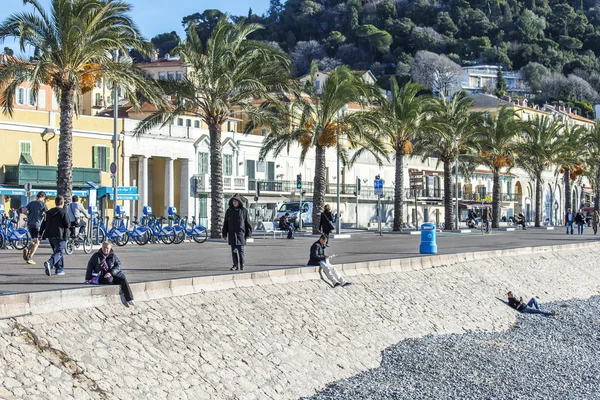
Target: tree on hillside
<point>228,74</point>
<point>303,54</point>
<point>205,22</point>
<point>543,146</point>
<point>495,140</point>
<point>450,137</point>
<point>320,120</point>
<point>533,73</point>
<point>558,87</point>
<point>500,89</point>
<point>72,41</point>
<point>165,42</point>
<point>434,71</point>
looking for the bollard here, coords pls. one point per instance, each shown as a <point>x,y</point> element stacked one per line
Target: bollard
<point>428,243</point>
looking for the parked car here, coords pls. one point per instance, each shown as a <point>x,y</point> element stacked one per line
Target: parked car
<point>293,208</point>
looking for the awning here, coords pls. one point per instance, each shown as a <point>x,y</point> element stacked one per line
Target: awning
<point>123,192</point>
<point>34,191</point>
<point>482,206</point>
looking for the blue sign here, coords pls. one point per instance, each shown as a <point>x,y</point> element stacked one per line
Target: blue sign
<point>378,184</point>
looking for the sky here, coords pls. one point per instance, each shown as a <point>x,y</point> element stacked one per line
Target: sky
<point>158,16</point>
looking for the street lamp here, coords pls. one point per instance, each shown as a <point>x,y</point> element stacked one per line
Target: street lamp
<point>337,220</point>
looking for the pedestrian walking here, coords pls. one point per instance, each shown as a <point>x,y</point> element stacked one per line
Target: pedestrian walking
<point>569,221</point>
<point>285,225</point>
<point>236,229</point>
<point>319,259</point>
<point>76,212</point>
<point>595,221</point>
<point>326,224</point>
<point>104,268</point>
<point>532,307</point>
<point>36,211</point>
<point>579,220</point>
<point>57,232</point>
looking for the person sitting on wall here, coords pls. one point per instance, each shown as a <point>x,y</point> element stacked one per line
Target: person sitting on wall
<point>285,225</point>
<point>104,268</point>
<point>318,258</point>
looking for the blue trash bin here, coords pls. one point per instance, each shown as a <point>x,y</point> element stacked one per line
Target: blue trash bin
<point>428,244</point>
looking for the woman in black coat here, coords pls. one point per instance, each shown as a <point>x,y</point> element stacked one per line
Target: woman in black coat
<point>237,228</point>
<point>327,220</point>
<point>104,268</point>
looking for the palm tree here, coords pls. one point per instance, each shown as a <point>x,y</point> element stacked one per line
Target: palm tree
<point>318,119</point>
<point>405,115</point>
<point>592,156</point>
<point>228,75</point>
<point>72,43</point>
<point>495,140</point>
<point>576,137</point>
<point>449,138</point>
<point>544,145</point>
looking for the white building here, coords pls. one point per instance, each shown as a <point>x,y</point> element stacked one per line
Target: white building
<point>482,79</point>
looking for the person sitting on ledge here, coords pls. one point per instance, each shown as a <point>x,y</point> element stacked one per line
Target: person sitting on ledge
<point>286,225</point>
<point>319,259</point>
<point>531,307</point>
<point>104,268</point>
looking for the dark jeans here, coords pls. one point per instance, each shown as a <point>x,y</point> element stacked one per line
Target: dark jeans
<point>82,224</point>
<point>57,259</point>
<point>580,228</point>
<point>569,227</point>
<point>534,308</point>
<point>235,251</point>
<point>118,281</point>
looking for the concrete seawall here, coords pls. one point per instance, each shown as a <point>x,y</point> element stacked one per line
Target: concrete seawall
<point>279,334</point>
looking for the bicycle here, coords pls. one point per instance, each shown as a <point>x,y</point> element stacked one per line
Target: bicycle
<point>77,240</point>
<point>139,233</point>
<point>198,233</point>
<point>165,234</point>
<point>17,238</point>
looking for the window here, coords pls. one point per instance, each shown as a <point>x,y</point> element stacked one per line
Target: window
<point>179,121</point>
<point>270,171</point>
<point>171,75</point>
<point>31,98</point>
<point>263,132</point>
<point>228,164</point>
<point>196,124</point>
<point>99,83</point>
<point>250,169</point>
<point>101,158</point>
<point>260,166</point>
<point>228,126</point>
<point>21,95</point>
<point>188,122</point>
<point>98,100</point>
<point>54,101</point>
<point>25,153</point>
<point>202,163</point>
<point>162,76</point>
<point>179,76</point>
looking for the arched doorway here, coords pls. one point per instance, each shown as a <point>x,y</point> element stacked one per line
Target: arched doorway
<point>519,192</point>
<point>575,200</point>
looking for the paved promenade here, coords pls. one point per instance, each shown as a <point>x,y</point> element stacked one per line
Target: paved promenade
<point>163,262</point>
<point>279,341</point>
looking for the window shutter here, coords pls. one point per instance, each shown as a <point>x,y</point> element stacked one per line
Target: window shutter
<point>107,153</point>
<point>42,98</point>
<point>95,163</point>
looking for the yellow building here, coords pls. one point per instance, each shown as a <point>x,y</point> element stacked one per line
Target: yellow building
<point>30,152</point>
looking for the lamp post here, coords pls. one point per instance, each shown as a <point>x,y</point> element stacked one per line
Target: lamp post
<point>115,138</point>
<point>337,220</point>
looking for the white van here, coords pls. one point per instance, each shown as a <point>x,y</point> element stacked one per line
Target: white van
<point>293,209</point>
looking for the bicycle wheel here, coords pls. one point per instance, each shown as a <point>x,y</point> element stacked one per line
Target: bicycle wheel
<point>167,237</point>
<point>200,237</point>
<point>121,240</point>
<point>87,245</point>
<point>69,247</point>
<point>179,237</point>
<point>20,244</point>
<point>98,236</point>
<point>2,241</point>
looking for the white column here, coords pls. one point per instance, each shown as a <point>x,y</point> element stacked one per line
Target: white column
<point>186,200</point>
<point>142,183</point>
<point>169,185</point>
<point>127,182</point>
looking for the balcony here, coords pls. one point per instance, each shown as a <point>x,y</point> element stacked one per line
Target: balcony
<point>46,175</point>
<point>230,183</point>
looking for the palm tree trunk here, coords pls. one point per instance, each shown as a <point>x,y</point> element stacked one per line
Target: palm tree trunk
<point>597,187</point>
<point>399,193</point>
<point>64,176</point>
<point>216,181</point>
<point>496,200</point>
<point>448,205</point>
<point>318,188</point>
<point>568,198</point>
<point>538,201</point>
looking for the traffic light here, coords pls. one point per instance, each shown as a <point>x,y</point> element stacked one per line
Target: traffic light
<point>357,191</point>
<point>257,191</point>
<point>299,181</point>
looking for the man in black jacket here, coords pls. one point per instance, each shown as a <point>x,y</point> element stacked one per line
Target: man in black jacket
<point>285,225</point>
<point>237,228</point>
<point>319,259</point>
<point>531,307</point>
<point>57,232</point>
<point>104,268</point>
